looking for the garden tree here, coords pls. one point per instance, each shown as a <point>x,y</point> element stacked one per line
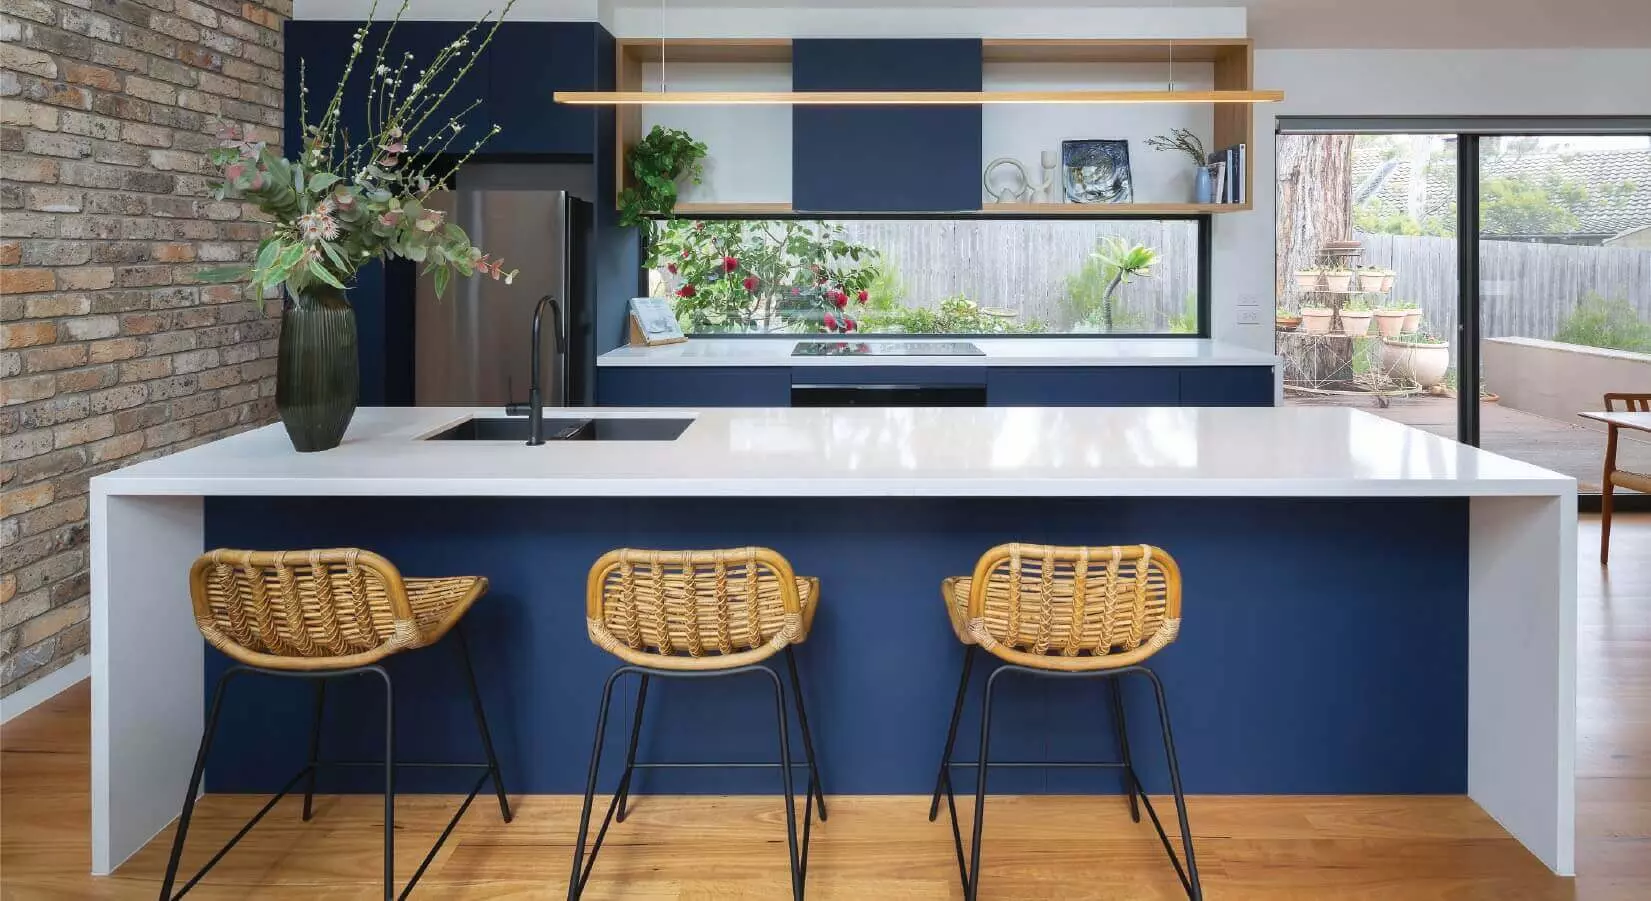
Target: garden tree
<point>1315,199</point>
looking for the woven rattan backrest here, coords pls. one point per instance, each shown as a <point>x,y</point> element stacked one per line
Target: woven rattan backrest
<point>693,609</point>
<point>309,609</point>
<point>1074,608</point>
<point>1634,403</point>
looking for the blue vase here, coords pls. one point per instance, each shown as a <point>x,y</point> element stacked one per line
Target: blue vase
<point>1202,189</point>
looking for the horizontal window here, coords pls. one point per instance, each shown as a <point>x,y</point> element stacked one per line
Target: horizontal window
<point>930,276</point>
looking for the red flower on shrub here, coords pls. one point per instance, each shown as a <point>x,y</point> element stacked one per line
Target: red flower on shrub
<point>729,264</point>
<point>687,290</point>
<point>849,325</point>
<point>831,321</point>
<point>750,284</point>
<point>862,296</point>
<point>837,297</point>
<point>671,268</point>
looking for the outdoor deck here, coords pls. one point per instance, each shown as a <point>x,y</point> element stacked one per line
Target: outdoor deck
<point>1567,447</point>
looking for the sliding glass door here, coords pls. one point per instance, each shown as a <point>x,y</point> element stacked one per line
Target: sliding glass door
<point>1519,251</point>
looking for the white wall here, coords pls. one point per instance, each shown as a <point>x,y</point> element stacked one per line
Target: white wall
<point>872,20</point>
<point>1402,82</point>
<point>749,147</point>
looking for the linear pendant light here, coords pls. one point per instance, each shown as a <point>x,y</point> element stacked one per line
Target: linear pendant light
<point>900,98</point>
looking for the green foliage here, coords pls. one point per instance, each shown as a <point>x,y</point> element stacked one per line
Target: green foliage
<point>1186,321</point>
<point>342,204</point>
<point>1512,206</point>
<point>767,275</point>
<point>1090,291</point>
<point>956,315</point>
<point>1598,322</point>
<point>657,163</point>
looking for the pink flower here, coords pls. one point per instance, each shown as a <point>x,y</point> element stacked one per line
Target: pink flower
<point>796,291</point>
<point>862,296</point>
<point>235,170</point>
<point>837,297</point>
<point>831,321</point>
<point>729,264</point>
<point>750,284</point>
<point>687,290</point>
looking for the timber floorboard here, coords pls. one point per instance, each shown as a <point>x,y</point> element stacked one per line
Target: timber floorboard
<point>883,848</point>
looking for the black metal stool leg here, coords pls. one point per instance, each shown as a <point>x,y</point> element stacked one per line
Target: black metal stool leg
<point>195,783</point>
<point>630,755</point>
<point>315,746</point>
<point>1131,785</point>
<point>808,739</point>
<point>797,874</point>
<point>1194,889</point>
<point>576,882</point>
<point>389,785</point>
<point>971,891</point>
<point>481,722</point>
<point>942,779</point>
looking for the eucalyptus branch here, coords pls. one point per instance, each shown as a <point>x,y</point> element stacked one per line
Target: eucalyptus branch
<point>1180,140</point>
<point>474,55</point>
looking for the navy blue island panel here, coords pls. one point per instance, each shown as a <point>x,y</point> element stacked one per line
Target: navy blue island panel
<point>1130,386</point>
<point>885,158</point>
<point>693,386</point>
<point>1302,665</point>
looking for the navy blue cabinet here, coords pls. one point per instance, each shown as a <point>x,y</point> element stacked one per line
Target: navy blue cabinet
<point>693,386</point>
<point>1076,386</point>
<point>530,61</point>
<point>1227,386</point>
<point>426,40</point>
<point>885,158</point>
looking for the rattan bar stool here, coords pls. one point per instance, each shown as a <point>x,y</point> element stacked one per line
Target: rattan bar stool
<point>697,615</point>
<point>325,614</point>
<point>1065,612</point>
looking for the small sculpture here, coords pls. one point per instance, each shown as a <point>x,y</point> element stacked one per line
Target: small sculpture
<point>1015,192</point>
<point>1046,190</point>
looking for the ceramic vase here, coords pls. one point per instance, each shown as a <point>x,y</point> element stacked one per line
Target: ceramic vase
<point>317,373</point>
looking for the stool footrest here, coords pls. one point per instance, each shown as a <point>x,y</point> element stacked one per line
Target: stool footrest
<point>401,763</point>
<point>695,765</point>
<point>1046,764</point>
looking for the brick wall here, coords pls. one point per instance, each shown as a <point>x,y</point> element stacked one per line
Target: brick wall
<point>111,351</point>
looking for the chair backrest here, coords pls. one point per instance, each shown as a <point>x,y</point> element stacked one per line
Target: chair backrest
<point>1074,608</point>
<point>691,610</point>
<point>1632,402</point>
<point>306,609</point>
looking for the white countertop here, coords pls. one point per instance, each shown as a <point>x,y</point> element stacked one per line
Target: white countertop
<point>936,452</point>
<point>776,351</point>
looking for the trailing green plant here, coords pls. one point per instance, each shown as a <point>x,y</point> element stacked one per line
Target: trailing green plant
<point>955,315</point>
<point>1186,321</point>
<point>344,203</point>
<point>1180,140</point>
<point>657,163</point>
<point>1356,305</point>
<point>1598,322</point>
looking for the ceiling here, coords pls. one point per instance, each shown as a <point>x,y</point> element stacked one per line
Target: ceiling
<point>1346,23</point>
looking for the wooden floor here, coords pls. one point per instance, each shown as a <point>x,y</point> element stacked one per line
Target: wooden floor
<point>1275,848</point>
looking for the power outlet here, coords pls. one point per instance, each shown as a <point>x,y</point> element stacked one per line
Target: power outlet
<point>1249,317</point>
<point>1249,300</point>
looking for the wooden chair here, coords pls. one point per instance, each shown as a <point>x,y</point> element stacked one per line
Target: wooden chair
<point>323,614</point>
<point>1615,478</point>
<point>1065,612</point>
<point>692,615</point>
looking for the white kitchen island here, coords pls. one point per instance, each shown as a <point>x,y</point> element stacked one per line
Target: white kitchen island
<point>1369,608</point>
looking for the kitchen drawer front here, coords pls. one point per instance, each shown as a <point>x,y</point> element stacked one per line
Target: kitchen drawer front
<point>1083,386</point>
<point>1227,386</point>
<point>889,375</point>
<point>693,386</point>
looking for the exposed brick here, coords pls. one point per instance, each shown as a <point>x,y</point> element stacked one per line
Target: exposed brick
<point>121,155</point>
<point>11,252</point>
<point>87,328</point>
<point>54,356</point>
<point>32,497</point>
<point>55,200</point>
<point>52,411</point>
<point>29,115</point>
<point>58,305</point>
<point>92,76</point>
<point>17,167</point>
<point>148,89</point>
<point>87,379</point>
<point>114,349</point>
<point>147,135</point>
<point>85,279</point>
<point>90,125</point>
<point>57,93</point>
<point>24,281</point>
<point>15,390</point>
<point>22,59</point>
<point>92,429</point>
<point>145,369</point>
<point>173,253</point>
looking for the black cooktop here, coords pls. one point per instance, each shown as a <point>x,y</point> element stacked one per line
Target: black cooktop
<point>886,349</point>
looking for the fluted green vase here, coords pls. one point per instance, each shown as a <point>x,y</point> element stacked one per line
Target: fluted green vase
<point>317,375</point>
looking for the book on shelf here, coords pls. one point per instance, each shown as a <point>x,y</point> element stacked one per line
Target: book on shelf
<point>1218,180</point>
<point>1232,189</point>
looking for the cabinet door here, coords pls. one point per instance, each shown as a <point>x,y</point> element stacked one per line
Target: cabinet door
<point>1083,386</point>
<point>693,386</point>
<point>1227,386</point>
<point>425,40</point>
<point>530,61</point>
<point>316,52</point>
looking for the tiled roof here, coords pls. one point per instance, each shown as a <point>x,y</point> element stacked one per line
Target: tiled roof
<point>1619,183</point>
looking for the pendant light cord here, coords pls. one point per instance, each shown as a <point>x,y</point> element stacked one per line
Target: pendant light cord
<point>663,85</point>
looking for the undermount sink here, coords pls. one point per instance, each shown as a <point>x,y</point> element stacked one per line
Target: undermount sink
<point>620,429</point>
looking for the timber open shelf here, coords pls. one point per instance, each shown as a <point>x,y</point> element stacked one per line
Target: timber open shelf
<point>1231,61</point>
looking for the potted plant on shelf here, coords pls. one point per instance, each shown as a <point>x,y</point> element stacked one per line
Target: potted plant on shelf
<point>1355,318</point>
<point>1316,320</point>
<point>345,201</point>
<point>1309,279</point>
<point>1422,358</point>
<point>1180,140</point>
<point>1412,316</point>
<point>1338,279</point>
<point>1286,320</point>
<point>1389,321</point>
<point>657,164</point>
<point>1372,278</point>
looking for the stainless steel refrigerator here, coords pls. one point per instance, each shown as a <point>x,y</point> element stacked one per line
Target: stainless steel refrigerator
<point>473,347</point>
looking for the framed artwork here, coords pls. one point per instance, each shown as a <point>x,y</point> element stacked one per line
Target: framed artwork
<point>1096,171</point>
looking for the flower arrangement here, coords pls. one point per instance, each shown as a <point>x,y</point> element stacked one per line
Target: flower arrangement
<point>343,203</point>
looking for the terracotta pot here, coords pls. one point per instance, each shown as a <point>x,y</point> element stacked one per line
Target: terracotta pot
<point>1389,323</point>
<point>1308,281</point>
<point>1316,321</point>
<point>1338,283</point>
<point>1286,323</point>
<point>1412,321</point>
<point>1424,364</point>
<point>1355,324</point>
<point>1371,281</point>
<point>1387,282</point>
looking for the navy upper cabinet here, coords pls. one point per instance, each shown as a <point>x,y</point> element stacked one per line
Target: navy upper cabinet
<point>317,51</point>
<point>529,62</point>
<point>425,40</point>
<point>885,158</point>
